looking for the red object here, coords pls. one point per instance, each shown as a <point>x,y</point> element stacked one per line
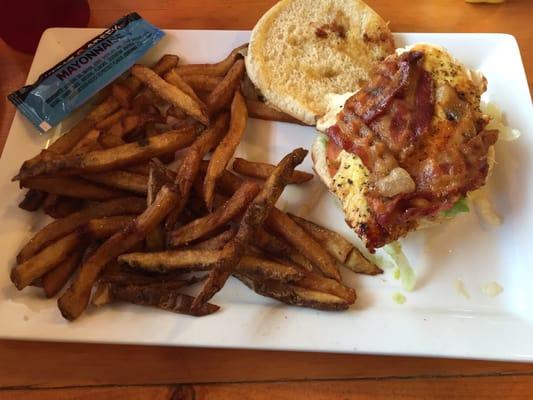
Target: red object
<point>22,22</point>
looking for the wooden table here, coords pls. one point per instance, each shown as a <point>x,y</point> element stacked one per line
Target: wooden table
<point>30,370</point>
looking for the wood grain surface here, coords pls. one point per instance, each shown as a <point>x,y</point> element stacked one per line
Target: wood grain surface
<point>31,370</point>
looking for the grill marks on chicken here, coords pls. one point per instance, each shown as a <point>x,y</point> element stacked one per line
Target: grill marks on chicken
<point>403,119</point>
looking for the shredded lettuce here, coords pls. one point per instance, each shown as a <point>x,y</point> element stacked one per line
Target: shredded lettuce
<point>407,275</point>
<point>460,206</point>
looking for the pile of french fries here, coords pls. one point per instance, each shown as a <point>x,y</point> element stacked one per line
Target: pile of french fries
<point>145,206</point>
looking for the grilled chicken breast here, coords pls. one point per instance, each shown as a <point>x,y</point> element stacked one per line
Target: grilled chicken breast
<point>407,145</point>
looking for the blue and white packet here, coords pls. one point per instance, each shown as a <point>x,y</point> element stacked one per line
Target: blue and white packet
<point>73,81</point>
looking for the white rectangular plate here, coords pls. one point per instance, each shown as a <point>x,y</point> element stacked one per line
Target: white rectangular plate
<point>435,320</point>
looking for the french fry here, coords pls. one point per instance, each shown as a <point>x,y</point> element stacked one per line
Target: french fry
<point>267,269</point>
<point>319,283</point>
<point>127,278</point>
<point>263,170</point>
<point>110,141</point>
<point>219,69</point>
<point>259,110</point>
<point>253,218</point>
<point>333,242</point>
<point>174,79</point>
<point>190,165</point>
<point>216,242</point>
<point>360,264</point>
<point>111,120</point>
<point>88,143</point>
<point>62,206</point>
<point>171,93</point>
<point>277,247</point>
<point>122,94</point>
<point>64,226</point>
<point>165,299</point>
<point>223,153</point>
<point>284,226</point>
<point>33,199</point>
<point>105,160</point>
<point>158,176</point>
<point>72,187</point>
<point>54,280</point>
<point>205,260</point>
<point>340,248</point>
<point>141,169</point>
<point>102,228</point>
<point>75,299</point>
<point>223,93</point>
<point>292,294</point>
<point>38,265</point>
<point>165,64</point>
<point>202,83</point>
<point>176,260</point>
<point>201,227</point>
<point>120,180</point>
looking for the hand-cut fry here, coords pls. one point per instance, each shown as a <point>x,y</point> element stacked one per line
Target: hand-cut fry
<point>292,294</point>
<point>340,248</point>
<point>199,228</point>
<point>120,180</point>
<point>111,120</point>
<point>170,93</point>
<point>122,94</point>
<point>105,160</point>
<point>319,283</point>
<point>158,176</point>
<point>102,228</point>
<point>253,218</point>
<point>173,78</point>
<point>202,83</point>
<point>110,141</point>
<point>216,242</point>
<point>54,280</point>
<point>167,261</point>
<point>33,199</point>
<point>126,278</point>
<point>62,227</point>
<point>130,124</point>
<point>141,169</point>
<point>88,143</point>
<point>277,247</point>
<point>190,165</point>
<point>222,94</point>
<point>333,242</point>
<point>62,206</point>
<point>38,265</point>
<point>77,296</point>
<point>219,69</point>
<point>360,264</point>
<point>284,226</point>
<point>268,269</point>
<point>165,64</point>
<point>204,260</point>
<point>263,170</point>
<point>72,187</point>
<point>223,153</point>
<point>259,110</point>
<point>165,299</point>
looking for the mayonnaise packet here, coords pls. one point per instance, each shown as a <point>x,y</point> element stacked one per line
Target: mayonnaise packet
<point>73,81</point>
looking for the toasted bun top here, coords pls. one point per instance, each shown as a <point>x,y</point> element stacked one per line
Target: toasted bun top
<point>300,50</point>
